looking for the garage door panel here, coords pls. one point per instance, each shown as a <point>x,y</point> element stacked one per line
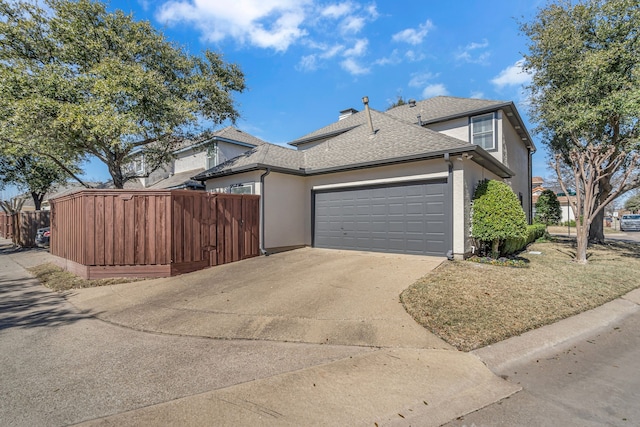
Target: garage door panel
<point>409,218</point>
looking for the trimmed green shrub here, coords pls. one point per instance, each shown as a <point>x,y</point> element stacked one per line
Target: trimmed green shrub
<point>513,245</point>
<point>497,215</point>
<point>548,208</point>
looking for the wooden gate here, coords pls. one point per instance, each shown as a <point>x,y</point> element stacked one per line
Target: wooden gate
<point>214,229</point>
<point>141,233</point>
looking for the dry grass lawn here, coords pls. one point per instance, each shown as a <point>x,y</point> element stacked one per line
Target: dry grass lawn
<point>471,305</point>
<point>59,280</point>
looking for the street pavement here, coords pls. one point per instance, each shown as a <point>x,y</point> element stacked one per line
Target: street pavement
<point>136,354</point>
<point>593,382</point>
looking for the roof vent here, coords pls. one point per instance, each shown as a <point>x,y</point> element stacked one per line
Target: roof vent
<point>346,113</point>
<point>412,103</point>
<point>365,101</point>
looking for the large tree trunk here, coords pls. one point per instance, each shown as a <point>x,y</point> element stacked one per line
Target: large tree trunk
<point>37,199</point>
<point>582,242</point>
<point>117,176</point>
<point>596,231</point>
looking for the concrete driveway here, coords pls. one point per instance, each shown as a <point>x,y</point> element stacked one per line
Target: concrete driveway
<point>58,371</point>
<point>307,295</point>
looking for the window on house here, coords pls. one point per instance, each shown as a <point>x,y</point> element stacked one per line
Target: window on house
<point>212,155</point>
<point>138,165</point>
<point>241,189</point>
<point>482,131</point>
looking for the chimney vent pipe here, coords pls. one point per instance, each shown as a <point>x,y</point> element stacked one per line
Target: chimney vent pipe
<point>365,101</point>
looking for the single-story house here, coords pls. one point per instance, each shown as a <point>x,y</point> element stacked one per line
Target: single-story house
<point>399,181</point>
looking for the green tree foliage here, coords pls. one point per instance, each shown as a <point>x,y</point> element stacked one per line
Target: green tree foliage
<point>633,203</point>
<point>28,172</point>
<point>497,215</point>
<point>585,97</point>
<point>78,81</point>
<point>398,102</point>
<point>548,210</point>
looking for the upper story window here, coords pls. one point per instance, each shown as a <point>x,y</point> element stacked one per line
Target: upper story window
<point>212,155</point>
<point>137,165</point>
<point>483,131</point>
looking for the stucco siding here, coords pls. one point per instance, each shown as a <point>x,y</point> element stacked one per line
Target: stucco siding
<point>473,175</point>
<point>284,222</point>
<point>228,151</point>
<point>457,128</point>
<point>190,160</point>
<point>516,157</point>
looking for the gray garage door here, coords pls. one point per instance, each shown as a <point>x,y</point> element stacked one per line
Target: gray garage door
<point>412,218</point>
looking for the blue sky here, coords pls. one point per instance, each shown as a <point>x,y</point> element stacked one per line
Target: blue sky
<point>305,60</point>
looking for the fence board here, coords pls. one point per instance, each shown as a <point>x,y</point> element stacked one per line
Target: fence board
<point>120,231</point>
<point>99,243</point>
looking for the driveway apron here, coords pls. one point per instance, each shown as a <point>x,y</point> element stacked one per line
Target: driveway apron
<point>307,295</point>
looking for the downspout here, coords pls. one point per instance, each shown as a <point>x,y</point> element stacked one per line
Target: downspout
<point>263,251</point>
<point>447,159</point>
<point>530,186</point>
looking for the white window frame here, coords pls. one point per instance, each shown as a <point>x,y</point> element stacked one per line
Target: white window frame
<point>213,156</point>
<point>241,188</point>
<point>493,131</point>
<point>138,165</point>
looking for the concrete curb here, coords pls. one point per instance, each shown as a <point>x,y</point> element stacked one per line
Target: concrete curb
<point>539,342</point>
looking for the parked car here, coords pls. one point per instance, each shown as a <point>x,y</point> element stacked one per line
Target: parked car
<point>630,223</point>
<point>42,237</point>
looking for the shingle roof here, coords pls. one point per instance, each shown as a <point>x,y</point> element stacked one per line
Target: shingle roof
<point>229,133</point>
<point>178,180</point>
<point>271,155</point>
<point>441,107</point>
<point>335,127</point>
<point>393,140</point>
<point>235,134</point>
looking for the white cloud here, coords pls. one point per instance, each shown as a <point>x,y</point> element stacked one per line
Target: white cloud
<point>358,49</point>
<point>307,63</point>
<point>144,4</point>
<point>437,89</point>
<point>413,36</point>
<point>352,66</point>
<point>477,95</point>
<point>474,53</point>
<point>336,10</point>
<point>274,24</point>
<point>352,25</point>
<point>392,59</point>
<point>332,51</point>
<point>413,56</point>
<point>421,79</point>
<point>512,76</point>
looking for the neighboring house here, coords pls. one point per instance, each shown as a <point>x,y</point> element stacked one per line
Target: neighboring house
<point>564,200</point>
<point>399,181</point>
<point>192,159</point>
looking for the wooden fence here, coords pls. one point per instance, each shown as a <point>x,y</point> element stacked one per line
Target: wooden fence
<point>6,225</point>
<point>26,223</point>
<point>141,233</point>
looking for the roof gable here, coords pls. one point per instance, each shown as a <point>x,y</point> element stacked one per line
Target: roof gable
<point>443,107</point>
<point>352,144</point>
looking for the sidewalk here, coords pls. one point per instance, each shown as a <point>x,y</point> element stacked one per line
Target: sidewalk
<point>388,386</point>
